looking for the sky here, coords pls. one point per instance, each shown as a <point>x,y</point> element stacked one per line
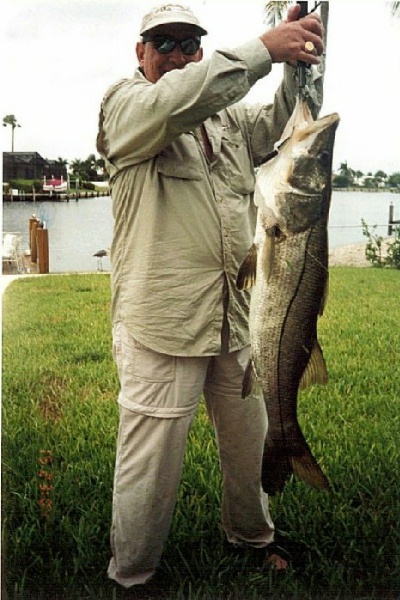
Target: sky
<point>58,57</point>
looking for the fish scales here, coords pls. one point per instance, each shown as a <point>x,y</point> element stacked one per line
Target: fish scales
<point>289,263</point>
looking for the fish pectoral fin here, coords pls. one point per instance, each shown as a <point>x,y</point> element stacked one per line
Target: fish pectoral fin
<point>249,379</point>
<point>246,276</point>
<point>268,255</point>
<point>315,371</point>
<point>306,468</point>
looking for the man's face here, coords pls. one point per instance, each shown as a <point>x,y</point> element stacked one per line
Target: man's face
<point>155,64</point>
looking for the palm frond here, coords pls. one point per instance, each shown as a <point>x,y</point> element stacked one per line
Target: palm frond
<point>395,8</point>
<point>274,11</point>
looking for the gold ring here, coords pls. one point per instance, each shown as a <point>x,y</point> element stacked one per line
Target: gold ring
<point>309,47</point>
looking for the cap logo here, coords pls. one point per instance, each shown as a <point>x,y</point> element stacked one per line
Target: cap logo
<point>169,7</point>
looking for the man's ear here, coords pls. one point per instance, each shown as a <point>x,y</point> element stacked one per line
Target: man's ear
<point>140,53</point>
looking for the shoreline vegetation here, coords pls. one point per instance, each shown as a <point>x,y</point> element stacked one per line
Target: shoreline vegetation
<point>374,190</point>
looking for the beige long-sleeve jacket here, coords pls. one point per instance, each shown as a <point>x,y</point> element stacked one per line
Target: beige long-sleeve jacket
<point>183,223</point>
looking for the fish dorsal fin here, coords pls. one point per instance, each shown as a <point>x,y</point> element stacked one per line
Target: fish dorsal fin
<point>246,276</point>
<point>315,371</point>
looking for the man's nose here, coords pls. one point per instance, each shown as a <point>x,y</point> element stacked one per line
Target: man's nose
<point>177,56</point>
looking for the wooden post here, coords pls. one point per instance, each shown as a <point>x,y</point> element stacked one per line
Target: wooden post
<point>42,250</point>
<point>33,239</point>
<point>32,219</point>
<point>391,219</point>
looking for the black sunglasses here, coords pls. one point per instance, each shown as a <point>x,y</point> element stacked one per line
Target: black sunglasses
<point>164,44</point>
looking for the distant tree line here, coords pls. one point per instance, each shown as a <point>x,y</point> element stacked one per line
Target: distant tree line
<point>348,177</point>
<point>90,169</point>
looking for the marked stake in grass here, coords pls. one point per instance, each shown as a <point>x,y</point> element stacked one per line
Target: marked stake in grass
<point>45,487</point>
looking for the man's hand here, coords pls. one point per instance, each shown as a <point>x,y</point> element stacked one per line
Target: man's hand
<point>287,41</point>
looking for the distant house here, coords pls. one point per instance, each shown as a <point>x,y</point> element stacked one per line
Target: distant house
<point>30,165</point>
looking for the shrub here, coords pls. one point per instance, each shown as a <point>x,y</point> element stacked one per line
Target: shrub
<point>87,185</point>
<point>26,185</point>
<point>381,252</point>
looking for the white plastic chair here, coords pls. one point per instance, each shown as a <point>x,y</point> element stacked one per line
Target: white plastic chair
<point>11,252</point>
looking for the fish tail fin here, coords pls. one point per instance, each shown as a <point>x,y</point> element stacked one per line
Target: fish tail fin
<point>280,462</point>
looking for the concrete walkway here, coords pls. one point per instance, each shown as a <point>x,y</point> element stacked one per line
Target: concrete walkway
<point>5,280</point>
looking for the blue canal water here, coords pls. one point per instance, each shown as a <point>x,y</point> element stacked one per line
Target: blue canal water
<point>78,229</point>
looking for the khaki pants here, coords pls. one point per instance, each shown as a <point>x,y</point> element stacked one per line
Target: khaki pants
<point>158,400</point>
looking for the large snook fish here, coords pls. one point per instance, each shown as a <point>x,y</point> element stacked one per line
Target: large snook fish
<point>288,269</point>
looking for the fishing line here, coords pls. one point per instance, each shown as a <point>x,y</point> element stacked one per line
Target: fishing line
<point>314,9</point>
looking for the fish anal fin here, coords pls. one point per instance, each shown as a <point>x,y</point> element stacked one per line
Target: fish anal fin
<point>315,371</point>
<point>246,276</point>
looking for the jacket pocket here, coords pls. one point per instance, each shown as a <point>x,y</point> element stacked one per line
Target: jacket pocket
<point>181,159</point>
<point>238,162</point>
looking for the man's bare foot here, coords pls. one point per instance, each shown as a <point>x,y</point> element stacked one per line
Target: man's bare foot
<point>276,562</point>
<point>278,558</point>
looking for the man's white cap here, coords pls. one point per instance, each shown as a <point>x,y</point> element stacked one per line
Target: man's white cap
<point>170,13</point>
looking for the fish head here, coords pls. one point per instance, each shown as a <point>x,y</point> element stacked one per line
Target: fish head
<point>293,187</point>
<point>312,152</point>
<point>306,199</point>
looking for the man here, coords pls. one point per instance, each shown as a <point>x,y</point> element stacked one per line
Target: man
<point>181,154</point>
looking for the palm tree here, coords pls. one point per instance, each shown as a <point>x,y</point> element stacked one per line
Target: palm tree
<point>395,8</point>
<point>346,173</point>
<point>78,169</point>
<point>274,11</point>
<point>12,121</point>
<point>62,162</point>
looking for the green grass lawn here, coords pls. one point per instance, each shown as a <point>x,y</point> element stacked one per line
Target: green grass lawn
<point>59,425</point>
